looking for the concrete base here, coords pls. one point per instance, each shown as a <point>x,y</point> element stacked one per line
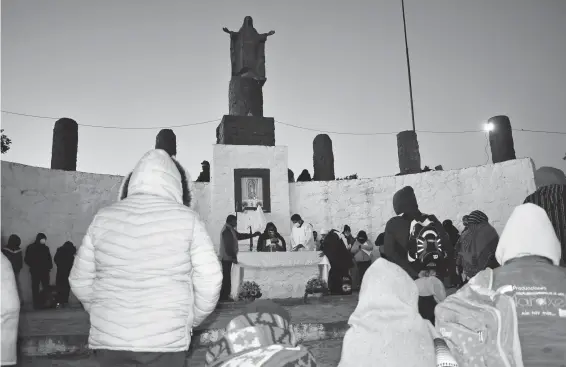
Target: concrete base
<point>246,130</point>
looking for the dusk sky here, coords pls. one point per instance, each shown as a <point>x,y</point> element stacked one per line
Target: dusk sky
<point>331,66</point>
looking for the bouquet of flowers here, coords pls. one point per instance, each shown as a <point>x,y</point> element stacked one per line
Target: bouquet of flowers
<point>315,285</point>
<point>249,291</point>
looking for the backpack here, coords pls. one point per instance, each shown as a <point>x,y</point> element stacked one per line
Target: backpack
<point>480,325</point>
<point>425,248</point>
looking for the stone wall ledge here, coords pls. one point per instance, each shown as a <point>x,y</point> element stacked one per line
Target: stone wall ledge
<point>77,345</point>
<point>64,332</point>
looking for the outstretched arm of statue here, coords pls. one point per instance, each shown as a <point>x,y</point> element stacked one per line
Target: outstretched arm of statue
<point>231,33</point>
<point>265,35</point>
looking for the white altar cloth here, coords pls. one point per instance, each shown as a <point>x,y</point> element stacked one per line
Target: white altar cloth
<point>279,274</point>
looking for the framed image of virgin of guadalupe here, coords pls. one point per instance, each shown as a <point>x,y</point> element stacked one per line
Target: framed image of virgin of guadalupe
<point>252,188</point>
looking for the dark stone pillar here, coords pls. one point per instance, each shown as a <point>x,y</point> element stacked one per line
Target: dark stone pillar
<point>290,175</point>
<point>245,97</point>
<point>323,158</point>
<point>408,152</point>
<point>65,145</point>
<point>501,139</point>
<point>167,141</point>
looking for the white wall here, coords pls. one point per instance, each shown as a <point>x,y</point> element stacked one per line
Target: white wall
<point>366,204</point>
<point>61,204</point>
<point>225,159</point>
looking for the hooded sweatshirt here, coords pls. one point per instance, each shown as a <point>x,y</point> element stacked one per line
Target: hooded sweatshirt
<point>38,257</point>
<point>14,253</point>
<point>397,229</point>
<point>10,314</point>
<point>529,253</point>
<point>386,328</point>
<point>146,271</point>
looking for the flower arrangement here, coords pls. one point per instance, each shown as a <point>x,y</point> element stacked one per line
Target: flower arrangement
<point>249,291</point>
<point>316,285</point>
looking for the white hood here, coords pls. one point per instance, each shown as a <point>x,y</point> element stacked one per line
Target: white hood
<point>386,323</point>
<point>528,232</point>
<point>159,174</point>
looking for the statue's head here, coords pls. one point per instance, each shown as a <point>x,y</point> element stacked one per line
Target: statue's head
<point>248,22</point>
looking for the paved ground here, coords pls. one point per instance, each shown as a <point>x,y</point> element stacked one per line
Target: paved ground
<point>326,352</point>
<point>74,321</point>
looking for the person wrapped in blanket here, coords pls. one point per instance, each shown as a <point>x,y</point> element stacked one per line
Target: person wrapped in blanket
<point>386,328</point>
<point>261,337</point>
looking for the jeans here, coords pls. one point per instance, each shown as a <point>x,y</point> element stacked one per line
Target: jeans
<point>37,278</point>
<point>226,280</point>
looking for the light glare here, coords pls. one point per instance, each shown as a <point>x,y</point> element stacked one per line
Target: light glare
<point>488,126</point>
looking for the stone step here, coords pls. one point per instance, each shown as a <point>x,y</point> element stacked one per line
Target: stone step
<point>64,332</point>
<point>326,352</point>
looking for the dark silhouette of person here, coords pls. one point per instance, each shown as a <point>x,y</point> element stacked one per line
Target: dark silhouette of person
<point>64,259</point>
<point>304,176</point>
<point>229,237</point>
<point>38,258</point>
<point>14,253</point>
<point>204,176</point>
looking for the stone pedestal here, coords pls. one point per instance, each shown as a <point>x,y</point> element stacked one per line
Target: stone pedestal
<point>226,159</point>
<point>408,152</point>
<point>246,130</point>
<point>245,96</point>
<point>65,145</point>
<point>501,139</point>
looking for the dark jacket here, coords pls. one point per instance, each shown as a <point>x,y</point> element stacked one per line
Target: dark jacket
<point>264,238</point>
<point>336,252</point>
<point>64,258</point>
<point>542,337</point>
<point>228,247</point>
<point>397,230</point>
<point>14,253</point>
<point>38,257</point>
<point>552,199</point>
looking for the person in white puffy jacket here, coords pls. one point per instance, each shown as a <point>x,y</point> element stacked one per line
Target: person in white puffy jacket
<point>147,272</point>
<point>10,314</point>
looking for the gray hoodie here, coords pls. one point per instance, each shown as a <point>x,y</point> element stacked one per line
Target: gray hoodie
<point>529,252</point>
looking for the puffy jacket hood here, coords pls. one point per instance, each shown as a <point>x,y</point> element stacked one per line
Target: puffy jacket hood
<point>405,201</point>
<point>528,232</point>
<point>386,322</point>
<point>161,175</point>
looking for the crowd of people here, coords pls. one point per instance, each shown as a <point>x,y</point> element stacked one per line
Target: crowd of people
<point>148,274</point>
<point>40,263</point>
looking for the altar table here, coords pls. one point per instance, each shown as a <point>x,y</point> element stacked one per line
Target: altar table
<point>279,274</point>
